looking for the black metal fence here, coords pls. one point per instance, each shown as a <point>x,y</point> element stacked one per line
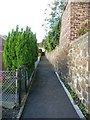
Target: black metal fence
<point>23,82</point>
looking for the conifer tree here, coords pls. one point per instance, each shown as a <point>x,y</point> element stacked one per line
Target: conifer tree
<point>20,49</point>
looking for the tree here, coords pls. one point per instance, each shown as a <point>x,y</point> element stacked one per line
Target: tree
<point>6,53</point>
<point>54,24</point>
<point>56,9</point>
<point>20,49</point>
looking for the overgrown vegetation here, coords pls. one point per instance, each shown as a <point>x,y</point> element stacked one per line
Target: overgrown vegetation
<point>20,49</point>
<point>53,23</point>
<point>84,29</point>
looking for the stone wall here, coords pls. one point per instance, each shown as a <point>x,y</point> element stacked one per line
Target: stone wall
<point>65,26</point>
<point>75,17</point>
<point>74,63</point>
<point>72,57</point>
<point>59,59</point>
<point>78,64</point>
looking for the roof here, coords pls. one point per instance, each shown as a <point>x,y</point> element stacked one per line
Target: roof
<point>4,38</point>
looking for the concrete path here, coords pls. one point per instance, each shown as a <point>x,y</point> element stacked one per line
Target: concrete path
<point>47,98</point>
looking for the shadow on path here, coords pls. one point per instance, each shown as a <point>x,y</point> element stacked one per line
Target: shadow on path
<point>47,98</point>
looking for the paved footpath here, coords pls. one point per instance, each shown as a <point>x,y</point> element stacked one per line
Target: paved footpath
<point>47,98</point>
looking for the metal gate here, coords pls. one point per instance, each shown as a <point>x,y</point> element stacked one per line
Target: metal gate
<point>8,86</point>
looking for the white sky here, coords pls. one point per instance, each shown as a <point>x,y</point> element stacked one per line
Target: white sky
<point>23,13</point>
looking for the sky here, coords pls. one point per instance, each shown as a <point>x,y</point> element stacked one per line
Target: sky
<point>23,13</point>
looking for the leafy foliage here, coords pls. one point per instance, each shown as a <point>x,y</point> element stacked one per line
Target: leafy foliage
<point>84,29</point>
<point>20,49</point>
<point>54,24</point>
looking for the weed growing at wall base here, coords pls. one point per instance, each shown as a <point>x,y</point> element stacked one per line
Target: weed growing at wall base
<point>75,98</point>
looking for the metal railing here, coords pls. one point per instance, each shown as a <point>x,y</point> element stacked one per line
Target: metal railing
<point>23,83</point>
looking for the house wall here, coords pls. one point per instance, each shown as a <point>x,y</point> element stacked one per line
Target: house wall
<point>2,40</point>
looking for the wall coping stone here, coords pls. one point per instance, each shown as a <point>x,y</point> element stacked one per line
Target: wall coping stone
<point>78,1</point>
<point>81,37</point>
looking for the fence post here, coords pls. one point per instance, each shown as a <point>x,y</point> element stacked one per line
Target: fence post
<point>17,77</point>
<point>26,80</point>
<point>19,86</point>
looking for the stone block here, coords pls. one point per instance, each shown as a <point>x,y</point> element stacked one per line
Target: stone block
<point>89,96</point>
<point>78,87</point>
<point>84,94</point>
<point>83,85</point>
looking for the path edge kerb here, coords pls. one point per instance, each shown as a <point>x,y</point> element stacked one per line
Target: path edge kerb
<point>77,109</point>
